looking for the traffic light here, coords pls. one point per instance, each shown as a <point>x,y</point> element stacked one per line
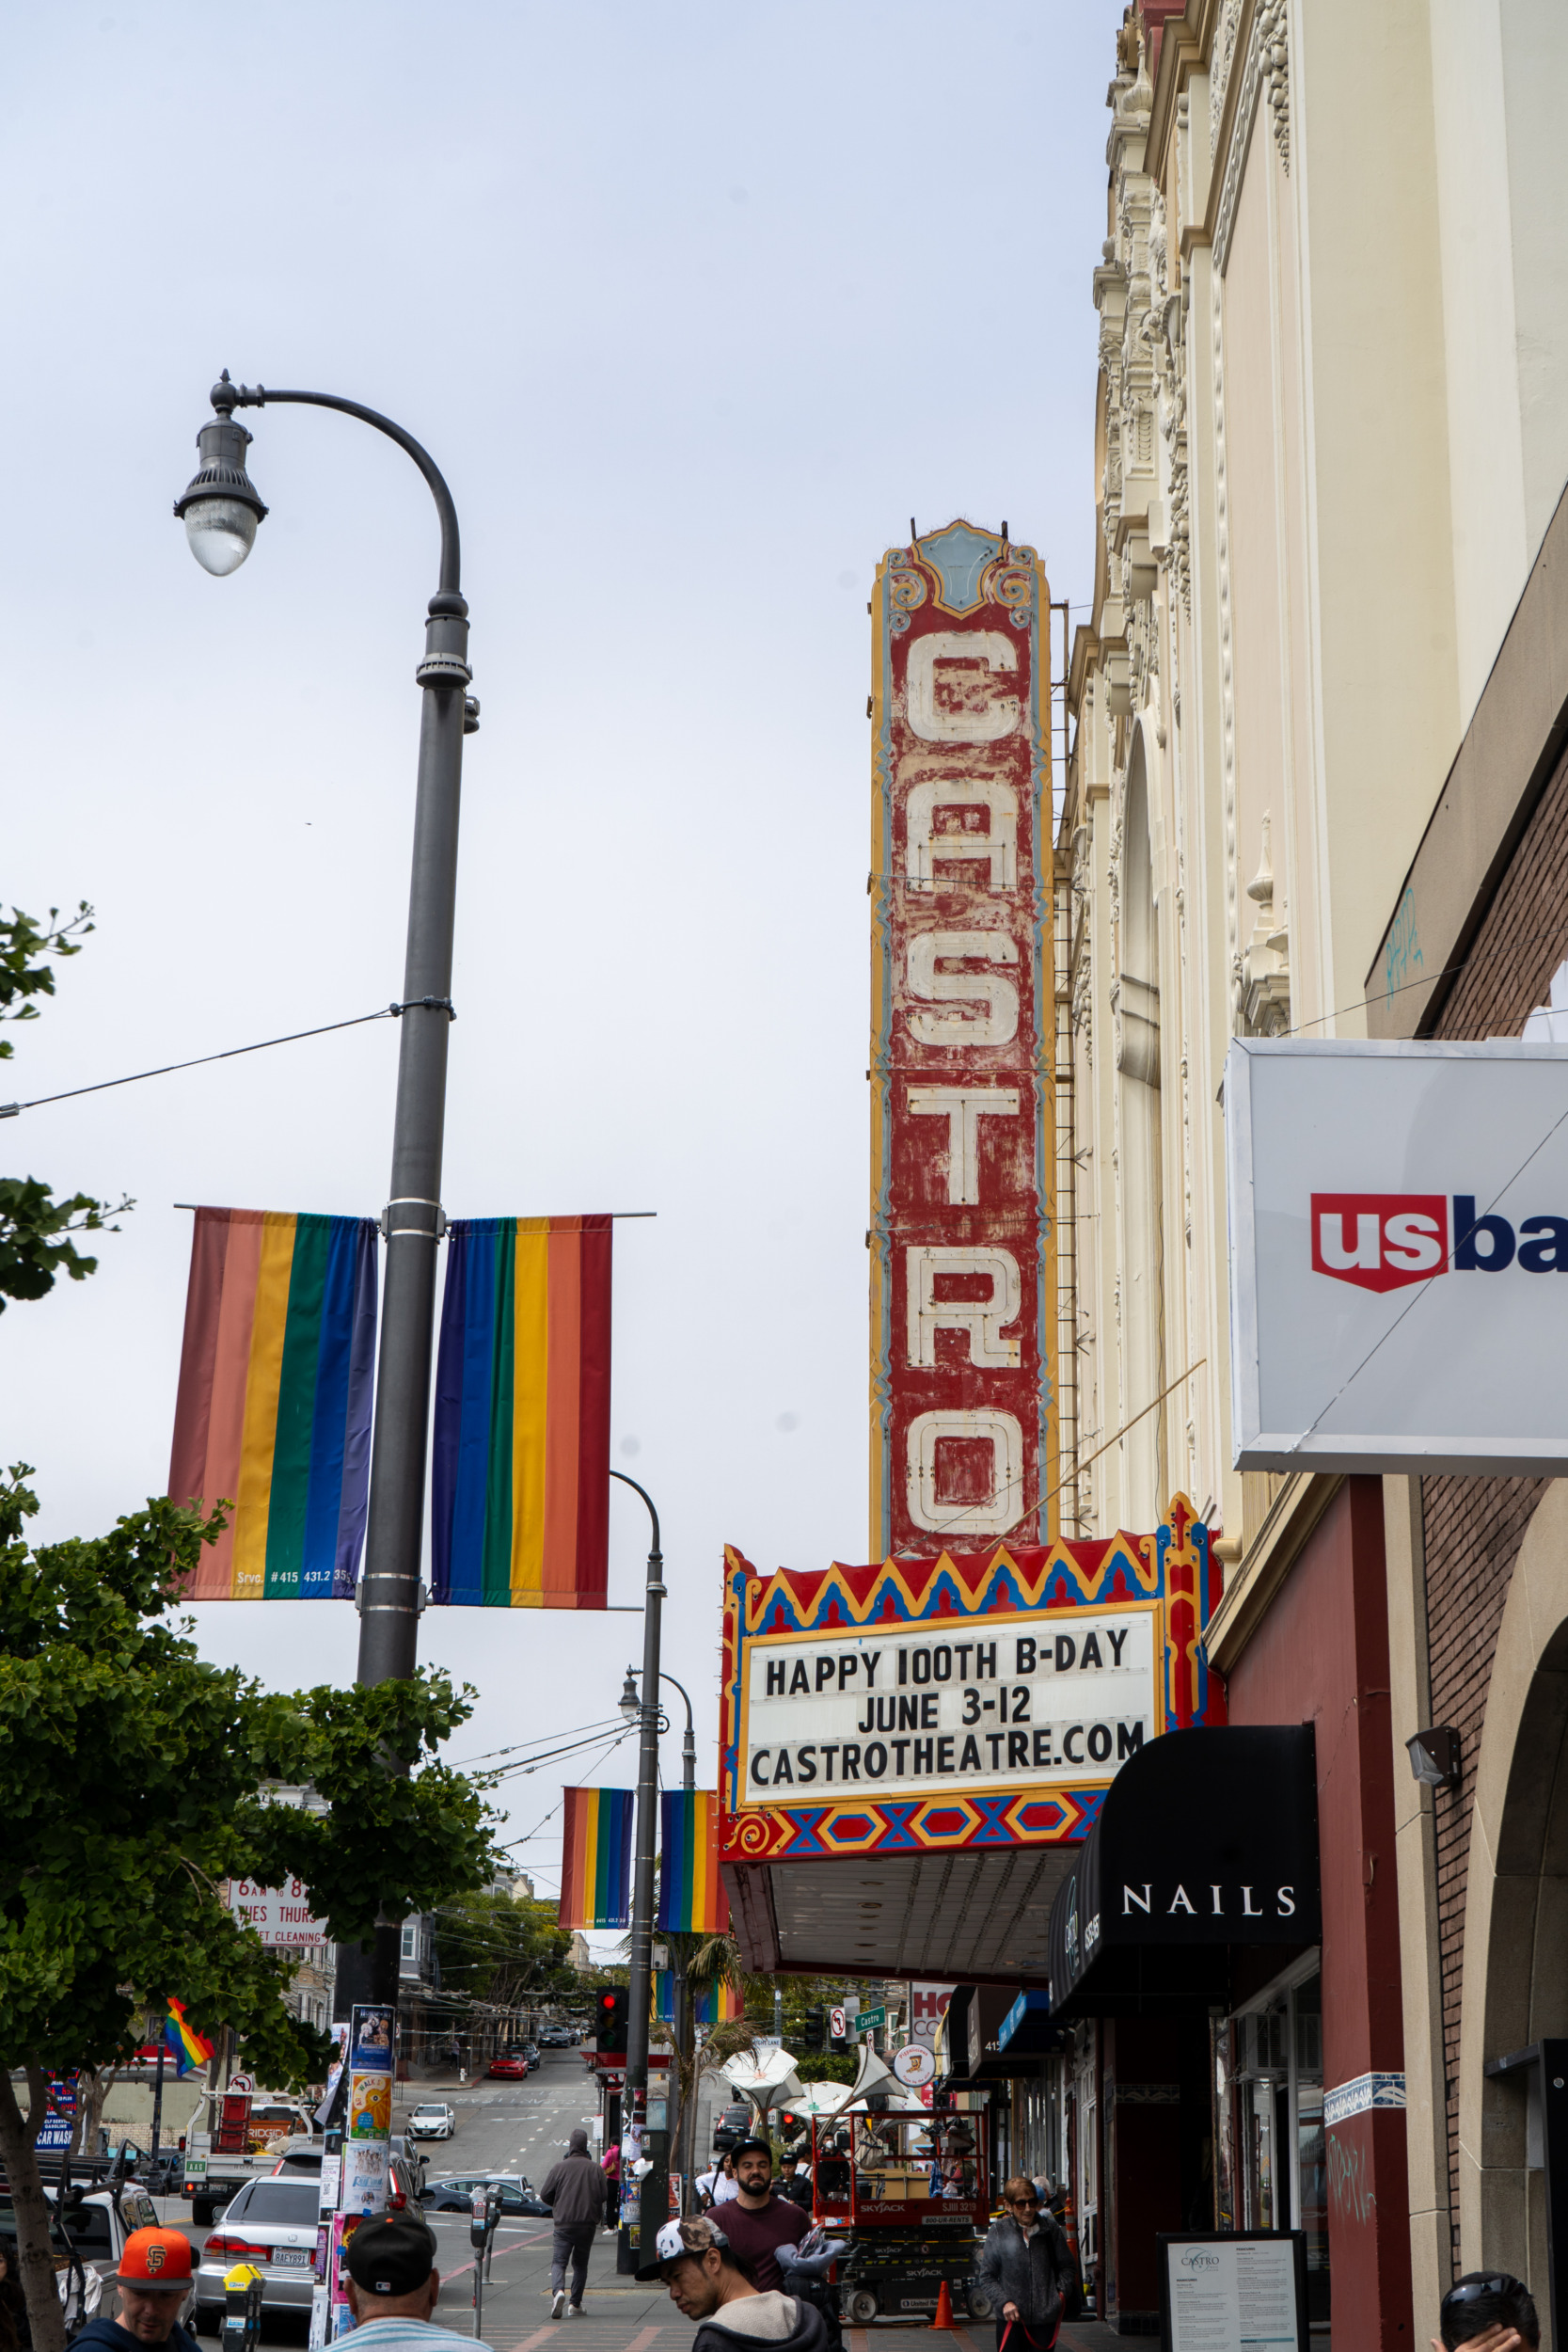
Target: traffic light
<point>611,2019</point>
<point>816,2027</point>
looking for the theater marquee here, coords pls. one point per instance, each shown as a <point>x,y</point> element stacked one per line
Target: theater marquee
<point>962,1232</point>
<point>1047,1697</point>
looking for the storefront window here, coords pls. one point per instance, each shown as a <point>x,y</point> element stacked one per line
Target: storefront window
<point>1273,2057</point>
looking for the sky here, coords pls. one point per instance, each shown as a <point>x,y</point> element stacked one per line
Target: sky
<point>696,306</point>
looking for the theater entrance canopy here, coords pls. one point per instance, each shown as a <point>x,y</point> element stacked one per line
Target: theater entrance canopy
<point>912,1755</point>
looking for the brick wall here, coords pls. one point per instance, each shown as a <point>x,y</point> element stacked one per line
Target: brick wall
<point>1473,1527</point>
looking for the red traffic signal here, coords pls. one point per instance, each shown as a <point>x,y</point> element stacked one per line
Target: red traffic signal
<point>611,2019</point>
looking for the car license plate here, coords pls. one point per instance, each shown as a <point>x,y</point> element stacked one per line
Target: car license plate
<point>293,2257</point>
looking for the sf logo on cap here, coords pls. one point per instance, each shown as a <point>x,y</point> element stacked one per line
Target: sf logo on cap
<point>156,2257</point>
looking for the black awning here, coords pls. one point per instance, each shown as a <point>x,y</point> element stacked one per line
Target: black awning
<point>1206,1840</point>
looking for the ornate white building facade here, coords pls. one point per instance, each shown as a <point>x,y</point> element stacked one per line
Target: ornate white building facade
<point>1331,434</point>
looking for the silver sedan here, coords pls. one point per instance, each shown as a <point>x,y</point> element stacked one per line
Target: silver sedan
<point>273,2224</point>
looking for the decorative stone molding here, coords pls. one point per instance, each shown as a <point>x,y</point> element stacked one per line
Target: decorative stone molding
<point>1265,970</point>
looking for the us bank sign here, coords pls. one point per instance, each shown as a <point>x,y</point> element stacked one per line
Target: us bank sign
<point>969,1698</point>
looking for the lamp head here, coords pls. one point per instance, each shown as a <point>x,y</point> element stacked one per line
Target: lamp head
<point>631,1706</point>
<point>219,505</point>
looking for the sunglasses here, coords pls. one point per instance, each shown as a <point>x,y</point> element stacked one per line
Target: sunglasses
<point>1494,2283</point>
<point>1022,2204</point>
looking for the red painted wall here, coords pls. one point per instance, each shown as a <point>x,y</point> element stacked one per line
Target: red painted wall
<point>1320,1655</point>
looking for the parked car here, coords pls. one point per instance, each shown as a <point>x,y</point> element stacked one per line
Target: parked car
<point>518,2194</point>
<point>273,2224</point>
<point>432,2119</point>
<point>556,2038</point>
<point>301,2159</point>
<point>731,2125</point>
<point>531,2051</point>
<point>510,2066</point>
<point>98,2222</point>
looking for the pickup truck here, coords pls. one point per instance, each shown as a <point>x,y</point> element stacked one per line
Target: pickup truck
<point>214,2175</point>
<point>101,2211</point>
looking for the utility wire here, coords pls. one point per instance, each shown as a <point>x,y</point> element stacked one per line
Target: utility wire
<point>604,1724</point>
<point>383,1013</point>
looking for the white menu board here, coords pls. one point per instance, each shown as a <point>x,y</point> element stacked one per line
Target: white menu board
<point>1232,2293</point>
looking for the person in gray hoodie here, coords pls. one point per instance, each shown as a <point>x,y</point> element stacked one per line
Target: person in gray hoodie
<point>574,2191</point>
<point>698,2264</point>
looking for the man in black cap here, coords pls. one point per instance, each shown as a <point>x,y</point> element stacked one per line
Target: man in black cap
<point>705,2280</point>
<point>574,2190</point>
<point>756,2222</point>
<point>393,2286</point>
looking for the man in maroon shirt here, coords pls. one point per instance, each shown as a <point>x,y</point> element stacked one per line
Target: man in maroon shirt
<point>756,2222</point>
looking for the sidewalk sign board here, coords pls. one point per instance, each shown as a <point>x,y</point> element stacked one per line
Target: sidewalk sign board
<point>1224,2291</point>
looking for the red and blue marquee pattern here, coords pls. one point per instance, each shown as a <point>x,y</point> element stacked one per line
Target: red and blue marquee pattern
<point>970,1699</point>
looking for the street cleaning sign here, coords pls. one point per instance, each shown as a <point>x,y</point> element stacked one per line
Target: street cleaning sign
<point>1399,1212</point>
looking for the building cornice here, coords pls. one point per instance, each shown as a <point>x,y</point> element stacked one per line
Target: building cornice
<point>1183,52</point>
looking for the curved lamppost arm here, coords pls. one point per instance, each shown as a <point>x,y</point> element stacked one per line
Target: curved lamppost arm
<point>227,397</point>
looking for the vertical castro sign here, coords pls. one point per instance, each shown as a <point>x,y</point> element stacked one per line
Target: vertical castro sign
<point>962,1121</point>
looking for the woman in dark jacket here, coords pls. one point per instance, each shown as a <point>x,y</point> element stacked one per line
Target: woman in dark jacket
<point>1027,2268</point>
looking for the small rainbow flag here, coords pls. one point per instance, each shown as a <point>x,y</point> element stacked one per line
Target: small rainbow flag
<point>521,1481</point>
<point>273,1410</point>
<point>691,1900</point>
<point>186,2046</point>
<point>715,2005</point>
<point>595,1858</point>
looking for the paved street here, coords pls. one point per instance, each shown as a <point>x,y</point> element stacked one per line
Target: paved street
<point>522,2127</point>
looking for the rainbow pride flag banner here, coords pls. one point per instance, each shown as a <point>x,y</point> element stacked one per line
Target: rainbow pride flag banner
<point>186,2046</point>
<point>692,1899</point>
<point>273,1410</point>
<point>715,2005</point>
<point>595,1858</point>
<point>521,1481</point>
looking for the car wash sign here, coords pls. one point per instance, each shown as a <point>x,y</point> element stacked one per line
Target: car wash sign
<point>962,1127</point>
<point>1398,1220</point>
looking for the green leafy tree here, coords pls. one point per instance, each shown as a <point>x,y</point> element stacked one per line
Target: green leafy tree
<point>134,1780</point>
<point>493,1948</point>
<point>35,1227</point>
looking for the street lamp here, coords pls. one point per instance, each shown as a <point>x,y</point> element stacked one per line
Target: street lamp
<point>632,1708</point>
<point>638,1975</point>
<point>221,509</point>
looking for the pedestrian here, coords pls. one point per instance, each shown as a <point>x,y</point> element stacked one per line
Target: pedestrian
<point>574,2190</point>
<point>153,2279</point>
<point>717,2186</point>
<point>709,2284</point>
<point>16,2329</point>
<point>1028,2270</point>
<point>758,2222</point>
<point>394,2287</point>
<point>1489,2311</point>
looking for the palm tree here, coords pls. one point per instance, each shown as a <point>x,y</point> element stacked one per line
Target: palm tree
<point>707,1963</point>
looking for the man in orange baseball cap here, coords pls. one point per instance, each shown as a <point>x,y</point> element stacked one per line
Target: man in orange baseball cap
<point>154,2278</point>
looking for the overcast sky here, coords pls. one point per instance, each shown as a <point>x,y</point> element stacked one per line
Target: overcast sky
<point>695,305</point>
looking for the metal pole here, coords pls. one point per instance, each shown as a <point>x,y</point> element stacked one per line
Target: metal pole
<point>638,1975</point>
<point>158,2098</point>
<point>389,1596</point>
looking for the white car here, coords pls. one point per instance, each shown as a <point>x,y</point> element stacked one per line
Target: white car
<point>434,2121</point>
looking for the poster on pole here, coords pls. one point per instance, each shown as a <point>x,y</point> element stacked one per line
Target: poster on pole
<point>1233,2290</point>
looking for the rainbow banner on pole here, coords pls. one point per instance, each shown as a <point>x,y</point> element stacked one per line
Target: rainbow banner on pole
<point>691,1899</point>
<point>186,2046</point>
<point>273,1410</point>
<point>715,2005</point>
<point>595,1858</point>
<point>521,1481</point>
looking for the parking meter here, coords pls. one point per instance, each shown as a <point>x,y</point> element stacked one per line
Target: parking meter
<point>241,2308</point>
<point>478,2217</point>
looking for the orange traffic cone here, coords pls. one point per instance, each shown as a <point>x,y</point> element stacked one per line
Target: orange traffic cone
<point>945,2307</point>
